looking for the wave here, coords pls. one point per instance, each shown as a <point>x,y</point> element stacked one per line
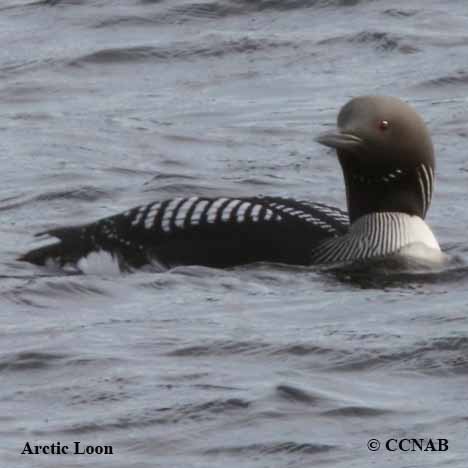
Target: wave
<point>164,415</point>
<point>223,9</point>
<point>179,51</point>
<point>454,80</point>
<point>288,447</point>
<point>439,356</point>
<point>30,360</point>
<point>381,41</point>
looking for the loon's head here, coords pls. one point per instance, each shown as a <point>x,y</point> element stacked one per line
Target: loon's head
<point>386,154</point>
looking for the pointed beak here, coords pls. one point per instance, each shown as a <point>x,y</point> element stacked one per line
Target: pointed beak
<point>340,140</point>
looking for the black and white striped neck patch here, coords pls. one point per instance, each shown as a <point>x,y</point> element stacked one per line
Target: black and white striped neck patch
<point>375,235</point>
<point>425,177</point>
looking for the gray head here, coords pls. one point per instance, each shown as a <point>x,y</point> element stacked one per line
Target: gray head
<point>386,154</point>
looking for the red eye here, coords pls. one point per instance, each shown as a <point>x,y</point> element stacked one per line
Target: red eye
<point>384,124</point>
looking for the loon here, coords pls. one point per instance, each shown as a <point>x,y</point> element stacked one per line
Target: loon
<point>387,159</point>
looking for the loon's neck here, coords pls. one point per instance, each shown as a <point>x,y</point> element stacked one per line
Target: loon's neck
<point>386,188</point>
<point>376,235</point>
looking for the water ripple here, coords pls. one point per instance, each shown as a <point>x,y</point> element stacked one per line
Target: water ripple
<point>30,360</point>
<point>180,51</point>
<point>272,448</point>
<point>186,413</point>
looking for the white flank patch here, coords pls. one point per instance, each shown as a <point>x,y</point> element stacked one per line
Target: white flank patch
<point>99,263</point>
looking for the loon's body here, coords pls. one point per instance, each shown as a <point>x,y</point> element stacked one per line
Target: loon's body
<point>216,232</point>
<point>386,155</point>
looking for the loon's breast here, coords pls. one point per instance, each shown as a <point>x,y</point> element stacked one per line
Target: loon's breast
<point>379,235</point>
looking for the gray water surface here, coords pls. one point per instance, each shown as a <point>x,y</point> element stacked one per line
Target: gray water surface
<point>107,104</point>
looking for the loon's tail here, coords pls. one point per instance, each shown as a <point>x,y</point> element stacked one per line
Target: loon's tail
<point>71,244</point>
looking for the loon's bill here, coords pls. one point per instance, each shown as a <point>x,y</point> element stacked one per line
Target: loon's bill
<point>386,155</point>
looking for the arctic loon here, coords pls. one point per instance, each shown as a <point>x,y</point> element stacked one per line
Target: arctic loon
<point>387,158</point>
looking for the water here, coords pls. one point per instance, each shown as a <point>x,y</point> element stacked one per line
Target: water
<point>108,104</point>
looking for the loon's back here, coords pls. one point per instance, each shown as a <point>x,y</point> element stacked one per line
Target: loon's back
<point>217,232</point>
